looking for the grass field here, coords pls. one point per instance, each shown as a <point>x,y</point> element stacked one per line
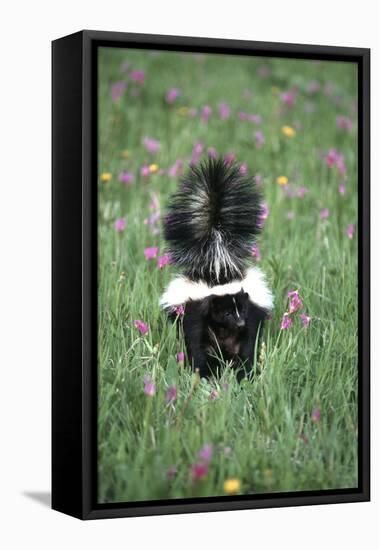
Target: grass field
<point>294,427</point>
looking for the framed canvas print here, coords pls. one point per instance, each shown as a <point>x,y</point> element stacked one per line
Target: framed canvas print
<point>210,275</point>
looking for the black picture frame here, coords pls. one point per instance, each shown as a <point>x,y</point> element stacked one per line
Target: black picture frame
<point>74,272</point>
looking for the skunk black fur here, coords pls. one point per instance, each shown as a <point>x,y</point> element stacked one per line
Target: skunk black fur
<point>210,227</point>
<point>212,222</point>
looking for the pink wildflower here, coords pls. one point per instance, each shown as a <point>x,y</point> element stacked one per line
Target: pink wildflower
<point>150,252</point>
<point>120,225</point>
<point>205,454</point>
<point>243,169</point>
<point>288,98</point>
<point>196,153</point>
<point>342,188</point>
<point>205,113</point>
<point>151,145</point>
<point>286,321</point>
<point>259,139</point>
<point>171,394</point>
<point>334,158</point>
<point>148,386</point>
<point>117,90</point>
<point>305,319</point>
<point>212,153</point>
<point>125,177</point>
<point>350,230</point>
<point>301,192</point>
<point>255,252</point>
<point>258,179</point>
<point>344,123</point>
<point>224,110</point>
<point>180,357</point>
<point>295,301</point>
<point>141,326</point>
<point>316,415</point>
<point>172,94</point>
<point>179,310</point>
<point>229,158</point>
<point>324,213</point>
<point>242,115</point>
<point>163,260</point>
<point>176,169</point>
<point>198,471</point>
<point>138,76</point>
<point>265,211</point>
<point>256,119</point>
<point>145,171</point>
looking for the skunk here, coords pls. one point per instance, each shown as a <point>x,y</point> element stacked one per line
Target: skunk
<point>210,226</point>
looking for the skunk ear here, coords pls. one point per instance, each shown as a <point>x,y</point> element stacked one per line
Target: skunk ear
<point>246,295</point>
<point>205,305</point>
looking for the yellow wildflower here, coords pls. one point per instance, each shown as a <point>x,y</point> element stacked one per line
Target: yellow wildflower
<point>282,180</point>
<point>125,154</point>
<point>183,111</point>
<point>232,486</point>
<point>288,131</point>
<point>153,168</point>
<point>105,177</point>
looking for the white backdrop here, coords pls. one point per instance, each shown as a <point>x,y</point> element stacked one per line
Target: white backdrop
<point>27,29</point>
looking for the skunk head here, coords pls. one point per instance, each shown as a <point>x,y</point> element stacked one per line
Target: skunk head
<point>230,311</point>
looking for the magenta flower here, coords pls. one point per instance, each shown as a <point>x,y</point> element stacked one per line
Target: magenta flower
<point>117,90</point>
<point>316,415</point>
<point>334,158</point>
<point>141,326</point>
<point>172,94</point>
<point>180,357</point>
<point>229,158</point>
<point>176,169</point>
<point>288,98</point>
<point>138,76</point>
<point>150,252</point>
<point>243,169</point>
<point>151,145</point>
<point>171,472</point>
<point>295,301</point>
<point>214,395</point>
<point>265,211</point>
<point>205,454</point>
<point>125,177</point>
<point>171,394</point>
<point>255,252</point>
<point>164,260</point>
<point>198,471</point>
<point>301,192</point>
<point>196,153</point>
<point>145,171</point>
<point>259,139</point>
<point>120,225</point>
<point>212,153</point>
<point>305,319</point>
<point>324,213</point>
<point>224,110</point>
<point>205,113</point>
<point>286,321</point>
<point>342,188</point>
<point>148,386</point>
<point>350,230</point>
<point>344,123</point>
<point>179,310</point>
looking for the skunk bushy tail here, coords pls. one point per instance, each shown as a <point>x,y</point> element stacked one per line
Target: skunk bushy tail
<point>212,222</point>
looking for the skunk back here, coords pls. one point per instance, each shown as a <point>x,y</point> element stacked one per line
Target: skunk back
<point>212,222</point>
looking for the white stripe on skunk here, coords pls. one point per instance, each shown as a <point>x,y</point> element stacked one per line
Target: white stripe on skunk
<point>181,289</point>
